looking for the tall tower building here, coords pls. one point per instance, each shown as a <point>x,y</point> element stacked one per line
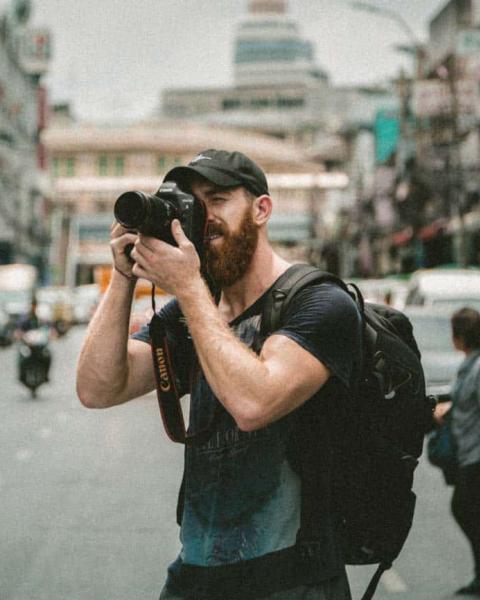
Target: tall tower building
<point>269,49</point>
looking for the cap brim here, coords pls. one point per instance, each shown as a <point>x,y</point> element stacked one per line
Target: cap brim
<point>179,174</point>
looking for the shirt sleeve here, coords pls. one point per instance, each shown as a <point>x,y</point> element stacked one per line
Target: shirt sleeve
<point>324,320</point>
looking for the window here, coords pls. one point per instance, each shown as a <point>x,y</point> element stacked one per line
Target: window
<point>119,165</point>
<point>230,103</point>
<point>259,102</point>
<point>289,102</point>
<point>63,166</point>
<point>56,167</point>
<point>103,165</point>
<point>70,166</point>
<point>161,163</point>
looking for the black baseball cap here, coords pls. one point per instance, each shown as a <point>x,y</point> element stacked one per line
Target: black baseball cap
<point>225,169</point>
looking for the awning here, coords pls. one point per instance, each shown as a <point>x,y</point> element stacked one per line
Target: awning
<point>400,238</point>
<point>432,230</point>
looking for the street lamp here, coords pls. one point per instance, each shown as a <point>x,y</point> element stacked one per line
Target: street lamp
<point>416,47</point>
<point>389,14</point>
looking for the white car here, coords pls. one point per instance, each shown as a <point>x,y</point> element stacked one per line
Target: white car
<point>54,303</point>
<point>440,360</point>
<point>85,301</point>
<point>448,288</point>
<point>382,291</point>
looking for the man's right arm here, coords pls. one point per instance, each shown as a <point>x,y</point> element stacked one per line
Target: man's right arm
<point>113,369</point>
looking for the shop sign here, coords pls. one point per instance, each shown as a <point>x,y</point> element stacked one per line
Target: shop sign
<point>433,97</point>
<point>35,51</point>
<point>387,133</point>
<point>468,42</point>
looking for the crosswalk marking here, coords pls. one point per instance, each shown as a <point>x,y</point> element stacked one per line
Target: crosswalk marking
<point>392,582</point>
<point>23,454</point>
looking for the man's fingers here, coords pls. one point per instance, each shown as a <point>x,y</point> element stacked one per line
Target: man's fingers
<point>144,250</point>
<point>138,271</point>
<point>123,240</point>
<point>179,234</point>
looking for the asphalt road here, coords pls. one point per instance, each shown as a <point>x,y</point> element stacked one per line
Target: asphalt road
<point>88,501</point>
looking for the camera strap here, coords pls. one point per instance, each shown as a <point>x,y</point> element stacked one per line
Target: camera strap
<point>169,398</point>
<point>167,393</point>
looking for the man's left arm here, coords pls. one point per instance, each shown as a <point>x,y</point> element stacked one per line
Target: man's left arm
<point>255,390</point>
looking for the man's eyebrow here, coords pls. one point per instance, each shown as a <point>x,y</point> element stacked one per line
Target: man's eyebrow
<point>216,191</point>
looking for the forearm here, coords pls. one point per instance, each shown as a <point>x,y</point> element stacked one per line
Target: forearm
<point>238,377</point>
<point>102,369</point>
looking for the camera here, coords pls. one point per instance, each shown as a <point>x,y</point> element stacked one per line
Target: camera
<point>152,214</point>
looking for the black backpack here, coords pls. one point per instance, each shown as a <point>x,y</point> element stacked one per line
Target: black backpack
<point>379,439</point>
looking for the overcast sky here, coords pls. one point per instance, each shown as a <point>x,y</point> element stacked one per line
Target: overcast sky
<point>112,58</point>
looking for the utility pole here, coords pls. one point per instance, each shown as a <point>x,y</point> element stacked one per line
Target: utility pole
<point>456,188</point>
<point>457,198</point>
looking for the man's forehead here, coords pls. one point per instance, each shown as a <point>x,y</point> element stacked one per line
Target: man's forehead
<point>208,188</point>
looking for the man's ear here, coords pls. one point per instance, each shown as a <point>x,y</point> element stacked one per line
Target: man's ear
<point>262,209</point>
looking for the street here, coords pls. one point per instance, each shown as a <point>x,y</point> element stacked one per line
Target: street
<point>88,501</point>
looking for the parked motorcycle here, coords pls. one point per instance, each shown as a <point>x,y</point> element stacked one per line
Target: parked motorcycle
<point>34,358</point>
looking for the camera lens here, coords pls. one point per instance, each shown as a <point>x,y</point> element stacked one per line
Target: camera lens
<point>131,209</point>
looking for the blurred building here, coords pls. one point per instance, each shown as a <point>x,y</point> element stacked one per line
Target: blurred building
<point>24,56</point>
<point>278,88</point>
<point>91,166</point>
<point>438,192</point>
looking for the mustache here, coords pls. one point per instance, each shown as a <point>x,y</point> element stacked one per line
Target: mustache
<point>215,229</point>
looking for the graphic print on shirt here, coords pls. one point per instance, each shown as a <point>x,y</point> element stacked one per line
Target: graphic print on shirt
<point>242,498</point>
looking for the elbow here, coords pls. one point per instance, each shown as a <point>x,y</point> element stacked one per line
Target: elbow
<point>86,399</point>
<point>94,390</point>
<point>251,417</point>
<point>90,397</point>
<point>248,426</point>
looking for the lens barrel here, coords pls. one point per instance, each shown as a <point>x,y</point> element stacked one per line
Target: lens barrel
<point>152,214</point>
<point>131,209</point>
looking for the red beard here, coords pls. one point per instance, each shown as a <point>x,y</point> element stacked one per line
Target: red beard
<point>229,262</point>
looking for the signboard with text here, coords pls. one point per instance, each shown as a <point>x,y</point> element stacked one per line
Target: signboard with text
<point>433,97</point>
<point>468,42</point>
<point>35,51</point>
<point>387,133</point>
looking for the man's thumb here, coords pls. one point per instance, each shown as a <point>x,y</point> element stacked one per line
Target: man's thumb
<point>178,233</point>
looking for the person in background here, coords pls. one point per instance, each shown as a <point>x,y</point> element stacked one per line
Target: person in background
<point>28,321</point>
<point>465,420</point>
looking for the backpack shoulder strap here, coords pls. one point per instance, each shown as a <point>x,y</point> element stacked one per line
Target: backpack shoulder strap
<point>284,289</point>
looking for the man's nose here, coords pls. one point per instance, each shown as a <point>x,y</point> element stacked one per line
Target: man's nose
<point>210,215</point>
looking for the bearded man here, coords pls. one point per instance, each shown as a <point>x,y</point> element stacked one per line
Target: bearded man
<point>241,509</point>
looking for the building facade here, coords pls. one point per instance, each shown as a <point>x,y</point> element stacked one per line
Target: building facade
<point>24,55</point>
<point>278,88</point>
<point>446,106</point>
<point>90,166</point>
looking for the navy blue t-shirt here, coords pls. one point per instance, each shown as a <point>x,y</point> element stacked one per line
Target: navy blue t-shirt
<point>242,495</point>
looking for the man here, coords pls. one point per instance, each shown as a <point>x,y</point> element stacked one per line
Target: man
<point>246,530</point>
<point>26,323</point>
<point>465,423</point>
<point>28,320</point>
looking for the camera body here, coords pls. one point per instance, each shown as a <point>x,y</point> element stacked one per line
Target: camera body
<point>152,214</point>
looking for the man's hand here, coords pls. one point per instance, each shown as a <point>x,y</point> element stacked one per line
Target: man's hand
<point>172,268</point>
<point>120,238</point>
<point>440,411</point>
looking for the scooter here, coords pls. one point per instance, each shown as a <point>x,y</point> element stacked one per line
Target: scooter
<point>34,359</point>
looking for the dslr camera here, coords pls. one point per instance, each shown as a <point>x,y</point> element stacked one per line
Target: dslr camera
<point>152,214</point>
